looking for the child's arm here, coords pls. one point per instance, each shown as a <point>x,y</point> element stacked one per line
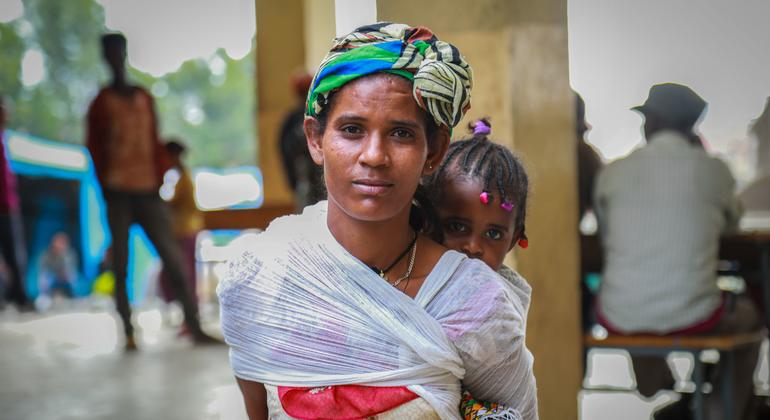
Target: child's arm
<point>499,367</point>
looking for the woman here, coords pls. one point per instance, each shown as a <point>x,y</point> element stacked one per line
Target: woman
<point>348,310</point>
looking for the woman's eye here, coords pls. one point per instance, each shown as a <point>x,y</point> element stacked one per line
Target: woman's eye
<point>351,129</point>
<point>456,227</point>
<point>494,234</point>
<point>402,133</point>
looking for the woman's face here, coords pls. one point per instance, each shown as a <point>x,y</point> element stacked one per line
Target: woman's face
<point>374,148</point>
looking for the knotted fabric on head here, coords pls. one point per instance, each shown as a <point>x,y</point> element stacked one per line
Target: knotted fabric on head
<point>442,80</point>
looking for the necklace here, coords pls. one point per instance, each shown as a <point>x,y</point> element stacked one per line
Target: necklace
<point>411,266</point>
<point>380,272</point>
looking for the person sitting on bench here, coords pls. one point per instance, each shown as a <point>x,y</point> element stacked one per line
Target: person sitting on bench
<point>661,211</point>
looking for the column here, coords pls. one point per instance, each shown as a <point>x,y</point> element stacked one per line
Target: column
<point>518,51</point>
<point>280,50</point>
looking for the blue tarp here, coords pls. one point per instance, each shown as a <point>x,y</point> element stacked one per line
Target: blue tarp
<point>38,158</point>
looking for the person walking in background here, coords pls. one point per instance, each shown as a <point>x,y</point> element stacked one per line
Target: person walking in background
<point>187,220</point>
<point>11,229</point>
<point>130,162</point>
<point>661,211</point>
<point>304,177</point>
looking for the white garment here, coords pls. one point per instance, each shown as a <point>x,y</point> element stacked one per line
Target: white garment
<point>299,310</point>
<point>519,286</point>
<point>661,211</point>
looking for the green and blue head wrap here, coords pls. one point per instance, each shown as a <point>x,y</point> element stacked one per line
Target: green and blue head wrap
<point>442,80</point>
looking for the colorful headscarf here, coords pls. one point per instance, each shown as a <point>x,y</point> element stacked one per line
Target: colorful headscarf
<point>442,80</point>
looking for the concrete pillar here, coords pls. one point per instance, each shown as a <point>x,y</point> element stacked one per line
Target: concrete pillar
<point>292,35</point>
<point>518,51</point>
<point>319,31</point>
<point>280,50</point>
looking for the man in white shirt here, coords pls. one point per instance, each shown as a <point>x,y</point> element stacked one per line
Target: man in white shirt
<point>661,211</point>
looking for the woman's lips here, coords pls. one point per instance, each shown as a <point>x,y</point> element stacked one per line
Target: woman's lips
<point>372,186</point>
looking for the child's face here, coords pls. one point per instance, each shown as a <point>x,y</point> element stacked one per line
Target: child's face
<point>483,231</point>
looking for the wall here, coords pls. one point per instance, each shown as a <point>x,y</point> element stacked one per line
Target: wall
<point>280,52</point>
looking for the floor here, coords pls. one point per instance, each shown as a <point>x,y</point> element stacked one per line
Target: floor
<point>69,364</point>
<point>611,369</point>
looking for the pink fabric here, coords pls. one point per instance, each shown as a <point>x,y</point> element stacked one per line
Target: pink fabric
<point>458,323</point>
<point>9,199</point>
<point>187,246</point>
<point>701,327</point>
<point>342,402</point>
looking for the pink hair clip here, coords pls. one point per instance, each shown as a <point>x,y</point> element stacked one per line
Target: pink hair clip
<point>480,127</point>
<point>507,207</point>
<point>485,197</point>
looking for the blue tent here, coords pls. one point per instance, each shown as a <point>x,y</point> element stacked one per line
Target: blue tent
<point>60,193</point>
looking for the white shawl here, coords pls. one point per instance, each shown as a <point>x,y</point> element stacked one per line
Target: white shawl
<point>298,310</point>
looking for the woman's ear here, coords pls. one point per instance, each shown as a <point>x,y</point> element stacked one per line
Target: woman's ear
<point>437,151</point>
<point>314,135</point>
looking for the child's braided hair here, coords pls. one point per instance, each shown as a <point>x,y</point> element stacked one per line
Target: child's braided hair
<point>500,172</point>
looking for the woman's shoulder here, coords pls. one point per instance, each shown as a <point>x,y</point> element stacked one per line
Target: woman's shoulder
<point>241,270</point>
<point>270,249</point>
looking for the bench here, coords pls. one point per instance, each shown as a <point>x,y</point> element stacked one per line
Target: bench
<point>654,345</point>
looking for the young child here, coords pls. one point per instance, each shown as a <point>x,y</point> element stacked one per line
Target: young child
<point>480,196</point>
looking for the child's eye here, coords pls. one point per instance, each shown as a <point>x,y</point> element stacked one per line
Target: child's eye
<point>456,227</point>
<point>494,234</point>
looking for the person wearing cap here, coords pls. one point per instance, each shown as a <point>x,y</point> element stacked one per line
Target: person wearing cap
<point>661,211</point>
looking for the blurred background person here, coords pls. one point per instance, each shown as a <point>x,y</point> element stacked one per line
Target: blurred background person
<point>187,221</point>
<point>58,271</point>
<point>661,212</point>
<point>589,164</point>
<point>756,196</point>
<point>304,177</point>
<point>589,161</point>
<point>130,162</point>
<point>11,234</point>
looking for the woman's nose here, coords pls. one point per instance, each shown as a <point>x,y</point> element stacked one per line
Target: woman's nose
<point>374,153</point>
